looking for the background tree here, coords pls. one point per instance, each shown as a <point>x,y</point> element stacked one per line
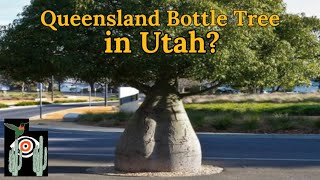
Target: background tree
<point>31,51</point>
<point>261,57</point>
<point>186,84</point>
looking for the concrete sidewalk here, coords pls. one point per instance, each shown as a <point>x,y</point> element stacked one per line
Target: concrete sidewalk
<point>78,170</point>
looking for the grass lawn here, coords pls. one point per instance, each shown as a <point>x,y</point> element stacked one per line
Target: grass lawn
<point>256,117</point>
<point>258,98</point>
<point>292,109</point>
<point>70,101</point>
<point>30,103</point>
<point>236,117</point>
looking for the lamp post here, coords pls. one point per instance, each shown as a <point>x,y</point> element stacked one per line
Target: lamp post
<point>106,94</point>
<point>40,99</point>
<point>52,82</point>
<point>89,96</point>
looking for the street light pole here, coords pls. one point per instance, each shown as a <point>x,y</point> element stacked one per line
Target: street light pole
<point>52,81</point>
<point>90,96</point>
<point>40,100</point>
<point>106,94</point>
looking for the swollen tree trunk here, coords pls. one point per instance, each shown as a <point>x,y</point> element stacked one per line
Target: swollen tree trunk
<point>159,137</point>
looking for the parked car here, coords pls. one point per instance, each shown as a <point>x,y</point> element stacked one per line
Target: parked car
<point>226,90</point>
<point>4,87</point>
<point>77,88</point>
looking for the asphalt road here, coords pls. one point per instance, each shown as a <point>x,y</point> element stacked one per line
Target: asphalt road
<point>73,149</point>
<point>97,145</point>
<point>225,150</point>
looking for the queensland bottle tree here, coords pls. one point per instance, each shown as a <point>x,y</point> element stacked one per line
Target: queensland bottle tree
<point>159,136</point>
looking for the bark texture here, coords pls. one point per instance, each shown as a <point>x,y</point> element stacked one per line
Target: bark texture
<point>159,138</point>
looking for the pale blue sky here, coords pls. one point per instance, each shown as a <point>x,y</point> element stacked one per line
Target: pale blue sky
<point>10,8</point>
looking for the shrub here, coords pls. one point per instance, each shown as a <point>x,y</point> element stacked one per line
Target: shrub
<point>292,109</point>
<point>113,99</point>
<point>251,123</point>
<point>3,106</point>
<point>280,122</point>
<point>70,101</point>
<point>120,116</point>
<point>105,119</point>
<point>317,124</point>
<point>197,122</point>
<point>109,99</point>
<point>260,98</point>
<point>196,118</point>
<point>93,117</point>
<point>222,123</point>
<point>30,103</point>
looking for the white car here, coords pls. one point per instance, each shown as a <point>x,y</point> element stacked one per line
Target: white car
<point>4,87</point>
<point>226,89</point>
<point>69,88</point>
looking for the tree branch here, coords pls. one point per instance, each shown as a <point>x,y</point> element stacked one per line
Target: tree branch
<point>140,86</point>
<point>215,85</point>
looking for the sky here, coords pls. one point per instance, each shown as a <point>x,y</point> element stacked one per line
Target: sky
<point>10,8</point>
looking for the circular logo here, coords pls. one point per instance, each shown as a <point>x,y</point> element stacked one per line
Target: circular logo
<point>26,144</point>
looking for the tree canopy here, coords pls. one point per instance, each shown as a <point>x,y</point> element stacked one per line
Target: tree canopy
<point>252,57</point>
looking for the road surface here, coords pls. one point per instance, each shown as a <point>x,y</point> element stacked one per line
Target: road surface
<point>74,148</point>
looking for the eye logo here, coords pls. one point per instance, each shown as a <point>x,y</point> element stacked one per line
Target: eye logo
<point>25,152</point>
<point>26,144</point>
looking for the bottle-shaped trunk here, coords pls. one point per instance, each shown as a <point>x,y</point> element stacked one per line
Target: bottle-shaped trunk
<point>159,137</point>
